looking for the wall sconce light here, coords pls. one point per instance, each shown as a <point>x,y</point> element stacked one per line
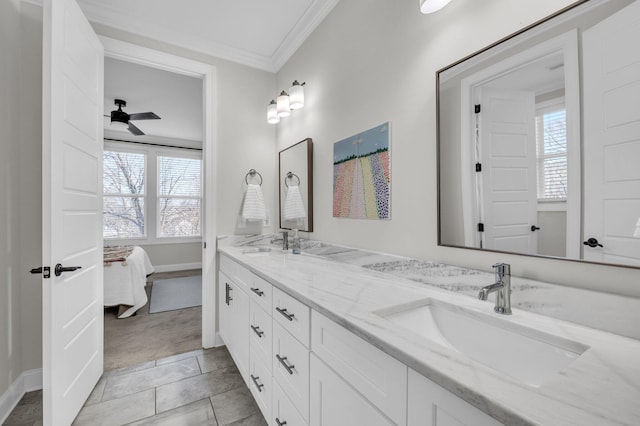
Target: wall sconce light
<point>430,6</point>
<point>272,113</point>
<point>286,102</point>
<point>296,95</point>
<point>283,104</point>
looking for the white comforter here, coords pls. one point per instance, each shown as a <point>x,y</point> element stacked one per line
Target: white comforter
<point>124,285</point>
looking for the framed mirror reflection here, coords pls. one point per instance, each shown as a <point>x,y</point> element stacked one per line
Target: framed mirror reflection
<point>295,171</point>
<point>539,139</point>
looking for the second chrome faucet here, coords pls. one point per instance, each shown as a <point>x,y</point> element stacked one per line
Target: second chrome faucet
<point>502,288</point>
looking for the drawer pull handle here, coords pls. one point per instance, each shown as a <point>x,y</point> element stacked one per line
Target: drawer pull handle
<point>286,314</point>
<point>257,291</point>
<point>228,297</point>
<point>280,423</point>
<point>283,361</point>
<point>257,331</point>
<point>255,382</point>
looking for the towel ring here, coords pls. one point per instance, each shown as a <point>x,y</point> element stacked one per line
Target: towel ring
<point>252,173</point>
<point>291,175</point>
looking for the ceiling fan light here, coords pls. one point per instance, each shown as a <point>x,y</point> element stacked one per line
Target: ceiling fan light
<point>296,95</point>
<point>431,6</point>
<point>272,113</point>
<point>283,105</point>
<point>120,125</point>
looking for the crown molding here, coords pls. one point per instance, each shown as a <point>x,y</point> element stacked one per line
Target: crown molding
<point>315,14</point>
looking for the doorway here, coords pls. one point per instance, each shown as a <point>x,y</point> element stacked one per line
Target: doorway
<point>143,56</point>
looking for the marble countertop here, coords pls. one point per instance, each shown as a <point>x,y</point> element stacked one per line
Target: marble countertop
<point>349,286</point>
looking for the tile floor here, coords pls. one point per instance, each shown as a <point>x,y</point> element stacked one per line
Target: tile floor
<point>202,387</point>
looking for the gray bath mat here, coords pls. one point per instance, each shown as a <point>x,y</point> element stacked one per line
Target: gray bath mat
<point>176,293</point>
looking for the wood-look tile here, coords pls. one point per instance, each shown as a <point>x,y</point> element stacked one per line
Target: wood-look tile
<point>234,405</point>
<point>28,411</point>
<point>186,391</point>
<point>215,359</point>
<point>118,411</point>
<point>137,381</point>
<point>198,413</point>
<point>253,420</point>
<point>179,357</point>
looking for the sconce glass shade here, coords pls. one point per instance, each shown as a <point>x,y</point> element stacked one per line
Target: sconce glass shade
<point>430,6</point>
<point>272,113</point>
<point>283,105</point>
<point>296,95</point>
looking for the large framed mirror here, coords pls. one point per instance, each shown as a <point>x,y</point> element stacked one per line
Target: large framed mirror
<point>295,171</point>
<point>539,139</point>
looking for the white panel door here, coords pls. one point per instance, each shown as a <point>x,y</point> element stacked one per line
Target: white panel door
<point>612,137</point>
<point>72,210</point>
<point>508,177</point>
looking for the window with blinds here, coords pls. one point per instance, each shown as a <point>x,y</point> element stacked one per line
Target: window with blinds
<point>179,196</point>
<point>124,194</point>
<point>551,141</point>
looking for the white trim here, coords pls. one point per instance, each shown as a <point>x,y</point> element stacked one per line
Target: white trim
<point>552,206</point>
<point>568,44</point>
<point>28,381</point>
<point>144,56</point>
<point>177,267</point>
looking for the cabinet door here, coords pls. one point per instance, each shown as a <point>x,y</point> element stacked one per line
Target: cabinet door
<point>239,327</point>
<point>224,308</point>
<point>334,402</point>
<point>431,405</point>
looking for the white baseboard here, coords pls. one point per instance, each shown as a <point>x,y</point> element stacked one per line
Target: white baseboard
<point>177,267</point>
<point>28,381</point>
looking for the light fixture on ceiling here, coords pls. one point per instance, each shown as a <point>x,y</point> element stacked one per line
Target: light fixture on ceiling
<point>272,113</point>
<point>430,6</point>
<point>286,102</point>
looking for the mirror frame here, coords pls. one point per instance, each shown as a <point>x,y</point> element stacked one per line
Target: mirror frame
<point>439,141</point>
<point>281,177</point>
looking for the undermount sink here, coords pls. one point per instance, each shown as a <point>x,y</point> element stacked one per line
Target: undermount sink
<point>525,354</point>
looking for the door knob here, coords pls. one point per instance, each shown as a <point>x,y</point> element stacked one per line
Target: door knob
<point>59,269</point>
<point>592,242</point>
<point>534,228</point>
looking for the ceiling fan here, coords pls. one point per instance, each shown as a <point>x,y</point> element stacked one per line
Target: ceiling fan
<point>119,118</point>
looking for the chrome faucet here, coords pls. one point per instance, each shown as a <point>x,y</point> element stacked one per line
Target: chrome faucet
<point>502,288</point>
<point>285,240</point>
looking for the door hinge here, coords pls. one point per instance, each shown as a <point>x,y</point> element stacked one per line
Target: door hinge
<point>480,227</point>
<point>478,167</point>
<point>477,109</point>
<point>205,244</point>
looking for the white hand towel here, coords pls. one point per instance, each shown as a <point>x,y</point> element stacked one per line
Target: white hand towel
<point>254,207</point>
<point>293,205</point>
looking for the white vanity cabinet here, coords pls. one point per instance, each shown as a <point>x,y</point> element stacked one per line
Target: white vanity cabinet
<point>234,319</point>
<point>431,405</point>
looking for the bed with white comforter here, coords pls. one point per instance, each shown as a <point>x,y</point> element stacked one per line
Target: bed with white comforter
<point>124,282</point>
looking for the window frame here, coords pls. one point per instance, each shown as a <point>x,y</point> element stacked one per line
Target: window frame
<point>542,108</point>
<point>152,198</point>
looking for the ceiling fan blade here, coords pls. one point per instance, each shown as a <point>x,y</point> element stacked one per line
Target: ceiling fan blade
<point>134,130</point>
<point>143,116</point>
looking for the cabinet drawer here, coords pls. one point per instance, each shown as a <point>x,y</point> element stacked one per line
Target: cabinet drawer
<point>260,333</point>
<point>377,376</point>
<point>260,385</point>
<point>228,266</point>
<point>291,368</point>
<point>291,314</point>
<point>259,289</point>
<point>283,412</point>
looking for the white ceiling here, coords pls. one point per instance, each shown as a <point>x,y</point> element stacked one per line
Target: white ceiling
<point>259,33</point>
<point>176,98</point>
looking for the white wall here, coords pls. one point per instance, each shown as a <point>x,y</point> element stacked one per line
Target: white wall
<point>375,60</point>
<point>10,294</point>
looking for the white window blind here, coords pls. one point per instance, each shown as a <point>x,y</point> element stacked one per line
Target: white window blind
<point>179,196</point>
<point>124,194</point>
<point>551,136</point>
